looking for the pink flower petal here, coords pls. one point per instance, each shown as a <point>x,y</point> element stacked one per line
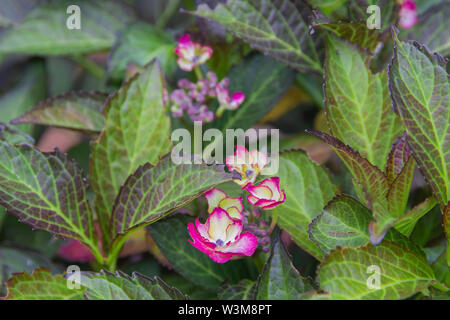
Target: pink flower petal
<point>213,197</point>
<point>218,220</point>
<point>245,245</point>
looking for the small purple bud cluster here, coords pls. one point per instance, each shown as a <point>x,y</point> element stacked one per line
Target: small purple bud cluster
<point>259,229</point>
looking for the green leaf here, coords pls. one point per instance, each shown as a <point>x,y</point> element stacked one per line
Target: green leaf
<point>29,91</point>
<point>154,191</point>
<point>345,272</point>
<point>46,191</point>
<point>278,28</point>
<point>119,286</point>
<point>136,132</point>
<point>357,101</point>
<point>77,110</point>
<point>172,237</point>
<point>41,285</point>
<point>408,221</point>
<point>14,136</point>
<point>139,44</point>
<point>327,6</point>
<point>44,30</point>
<point>432,28</point>
<point>264,82</point>
<point>344,222</point>
<point>279,279</point>
<point>308,188</point>
<point>441,270</point>
<point>244,290</point>
<point>419,87</point>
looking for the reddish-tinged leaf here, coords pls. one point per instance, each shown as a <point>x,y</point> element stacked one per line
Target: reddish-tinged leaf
<point>77,110</point>
<point>46,191</point>
<point>358,107</point>
<point>372,180</point>
<point>397,158</point>
<point>154,191</point>
<point>419,88</point>
<point>399,190</point>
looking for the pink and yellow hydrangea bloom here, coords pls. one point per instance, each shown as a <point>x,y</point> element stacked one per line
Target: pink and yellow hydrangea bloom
<point>218,199</point>
<point>191,54</point>
<point>248,164</point>
<point>267,195</point>
<point>221,237</point>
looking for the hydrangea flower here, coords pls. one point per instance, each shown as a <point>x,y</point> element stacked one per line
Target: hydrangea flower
<point>266,195</point>
<point>223,95</point>
<point>221,237</point>
<point>191,54</point>
<point>248,164</point>
<point>218,199</point>
<point>408,14</point>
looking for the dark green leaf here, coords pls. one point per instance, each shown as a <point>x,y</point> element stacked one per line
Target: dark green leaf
<point>432,28</point>
<point>140,44</point>
<point>14,136</point>
<point>264,82</point>
<point>244,290</point>
<point>279,279</point>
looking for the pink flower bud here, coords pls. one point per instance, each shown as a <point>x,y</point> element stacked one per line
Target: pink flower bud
<point>408,14</point>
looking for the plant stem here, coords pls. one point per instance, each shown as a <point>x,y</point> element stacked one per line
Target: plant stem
<point>220,111</point>
<point>273,223</point>
<point>198,73</point>
<point>89,66</point>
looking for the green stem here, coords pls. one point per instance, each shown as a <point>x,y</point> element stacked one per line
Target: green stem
<point>273,223</point>
<point>198,73</point>
<point>220,111</point>
<point>89,66</point>
<point>169,10</point>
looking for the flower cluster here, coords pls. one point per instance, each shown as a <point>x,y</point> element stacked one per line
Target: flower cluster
<point>407,14</point>
<point>227,233</point>
<point>193,98</point>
